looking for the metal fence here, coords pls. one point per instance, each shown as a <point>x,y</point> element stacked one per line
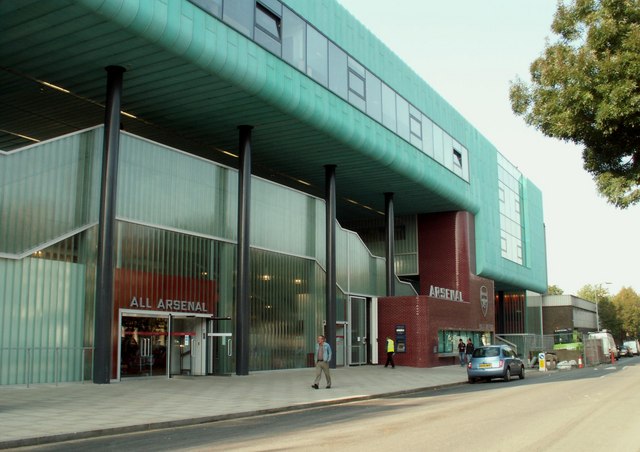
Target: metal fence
<point>37,365</point>
<point>527,346</point>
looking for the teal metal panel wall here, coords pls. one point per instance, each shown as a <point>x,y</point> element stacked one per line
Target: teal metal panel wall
<point>481,198</point>
<point>213,46</point>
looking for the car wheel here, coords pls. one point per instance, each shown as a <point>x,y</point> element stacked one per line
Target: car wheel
<point>521,373</point>
<point>472,380</point>
<point>507,374</point>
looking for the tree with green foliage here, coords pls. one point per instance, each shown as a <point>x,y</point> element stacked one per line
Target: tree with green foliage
<point>554,290</point>
<point>607,311</point>
<point>593,292</point>
<point>585,89</point>
<point>627,303</point>
<point>609,319</point>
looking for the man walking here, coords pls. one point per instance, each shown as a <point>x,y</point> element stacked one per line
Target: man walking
<point>391,349</point>
<point>461,351</point>
<point>469,349</point>
<point>323,358</point>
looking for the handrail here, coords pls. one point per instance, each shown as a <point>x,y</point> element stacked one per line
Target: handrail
<point>54,365</point>
<point>511,344</point>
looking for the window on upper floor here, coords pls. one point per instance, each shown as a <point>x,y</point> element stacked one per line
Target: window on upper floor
<point>317,56</point>
<point>415,126</point>
<point>268,27</point>
<point>357,85</point>
<point>374,96</point>
<point>338,71</point>
<point>239,14</point>
<point>457,158</point>
<point>213,7</point>
<point>294,46</point>
<point>388,108</point>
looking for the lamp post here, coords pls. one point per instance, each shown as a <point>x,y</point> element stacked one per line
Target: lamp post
<point>598,287</point>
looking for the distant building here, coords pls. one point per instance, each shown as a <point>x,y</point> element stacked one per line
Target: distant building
<point>568,312</point>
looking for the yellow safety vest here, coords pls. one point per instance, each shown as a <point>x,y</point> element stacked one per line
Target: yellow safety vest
<point>390,346</point>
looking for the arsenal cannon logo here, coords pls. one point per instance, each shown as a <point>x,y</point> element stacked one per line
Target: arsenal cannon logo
<point>484,300</point>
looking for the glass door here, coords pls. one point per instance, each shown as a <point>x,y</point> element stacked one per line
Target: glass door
<point>219,347</point>
<point>183,356</point>
<point>358,330</point>
<point>341,352</point>
<point>143,346</point>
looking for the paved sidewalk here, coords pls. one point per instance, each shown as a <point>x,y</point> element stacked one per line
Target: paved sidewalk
<point>48,413</point>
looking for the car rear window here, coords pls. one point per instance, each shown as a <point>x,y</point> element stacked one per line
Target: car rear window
<point>486,352</point>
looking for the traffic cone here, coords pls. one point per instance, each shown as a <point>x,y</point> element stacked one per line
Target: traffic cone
<point>613,358</point>
<point>580,365</point>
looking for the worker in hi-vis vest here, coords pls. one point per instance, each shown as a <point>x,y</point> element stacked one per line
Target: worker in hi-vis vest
<point>391,350</point>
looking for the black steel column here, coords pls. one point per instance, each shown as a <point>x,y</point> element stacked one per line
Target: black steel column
<point>104,272</point>
<point>243,305</point>
<point>330,200</point>
<point>390,244</point>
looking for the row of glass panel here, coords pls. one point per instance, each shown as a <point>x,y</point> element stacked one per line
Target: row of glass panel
<point>47,300</point>
<point>164,234</point>
<point>285,34</point>
<point>510,200</point>
<point>448,339</point>
<point>173,190</point>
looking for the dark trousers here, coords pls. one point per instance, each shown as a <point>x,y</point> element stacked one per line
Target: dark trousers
<point>390,360</point>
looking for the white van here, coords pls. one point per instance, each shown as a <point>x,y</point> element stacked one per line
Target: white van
<point>634,346</point>
<point>606,344</point>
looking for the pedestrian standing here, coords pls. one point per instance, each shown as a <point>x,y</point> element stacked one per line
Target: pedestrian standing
<point>391,350</point>
<point>323,358</point>
<point>469,349</point>
<point>462,349</point>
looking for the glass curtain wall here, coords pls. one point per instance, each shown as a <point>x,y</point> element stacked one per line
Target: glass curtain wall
<point>176,227</point>
<point>156,264</point>
<point>49,194</point>
<point>46,307</point>
<point>510,198</point>
<point>373,235</point>
<point>287,310</point>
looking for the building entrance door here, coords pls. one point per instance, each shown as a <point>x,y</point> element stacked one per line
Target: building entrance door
<point>219,347</point>
<point>188,344</point>
<point>162,345</point>
<point>357,323</point>
<point>143,346</point>
<point>341,351</point>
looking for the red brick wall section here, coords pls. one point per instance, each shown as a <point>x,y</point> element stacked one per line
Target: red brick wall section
<point>411,312</point>
<point>446,250</point>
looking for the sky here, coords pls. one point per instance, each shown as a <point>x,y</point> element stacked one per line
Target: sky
<point>469,51</point>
